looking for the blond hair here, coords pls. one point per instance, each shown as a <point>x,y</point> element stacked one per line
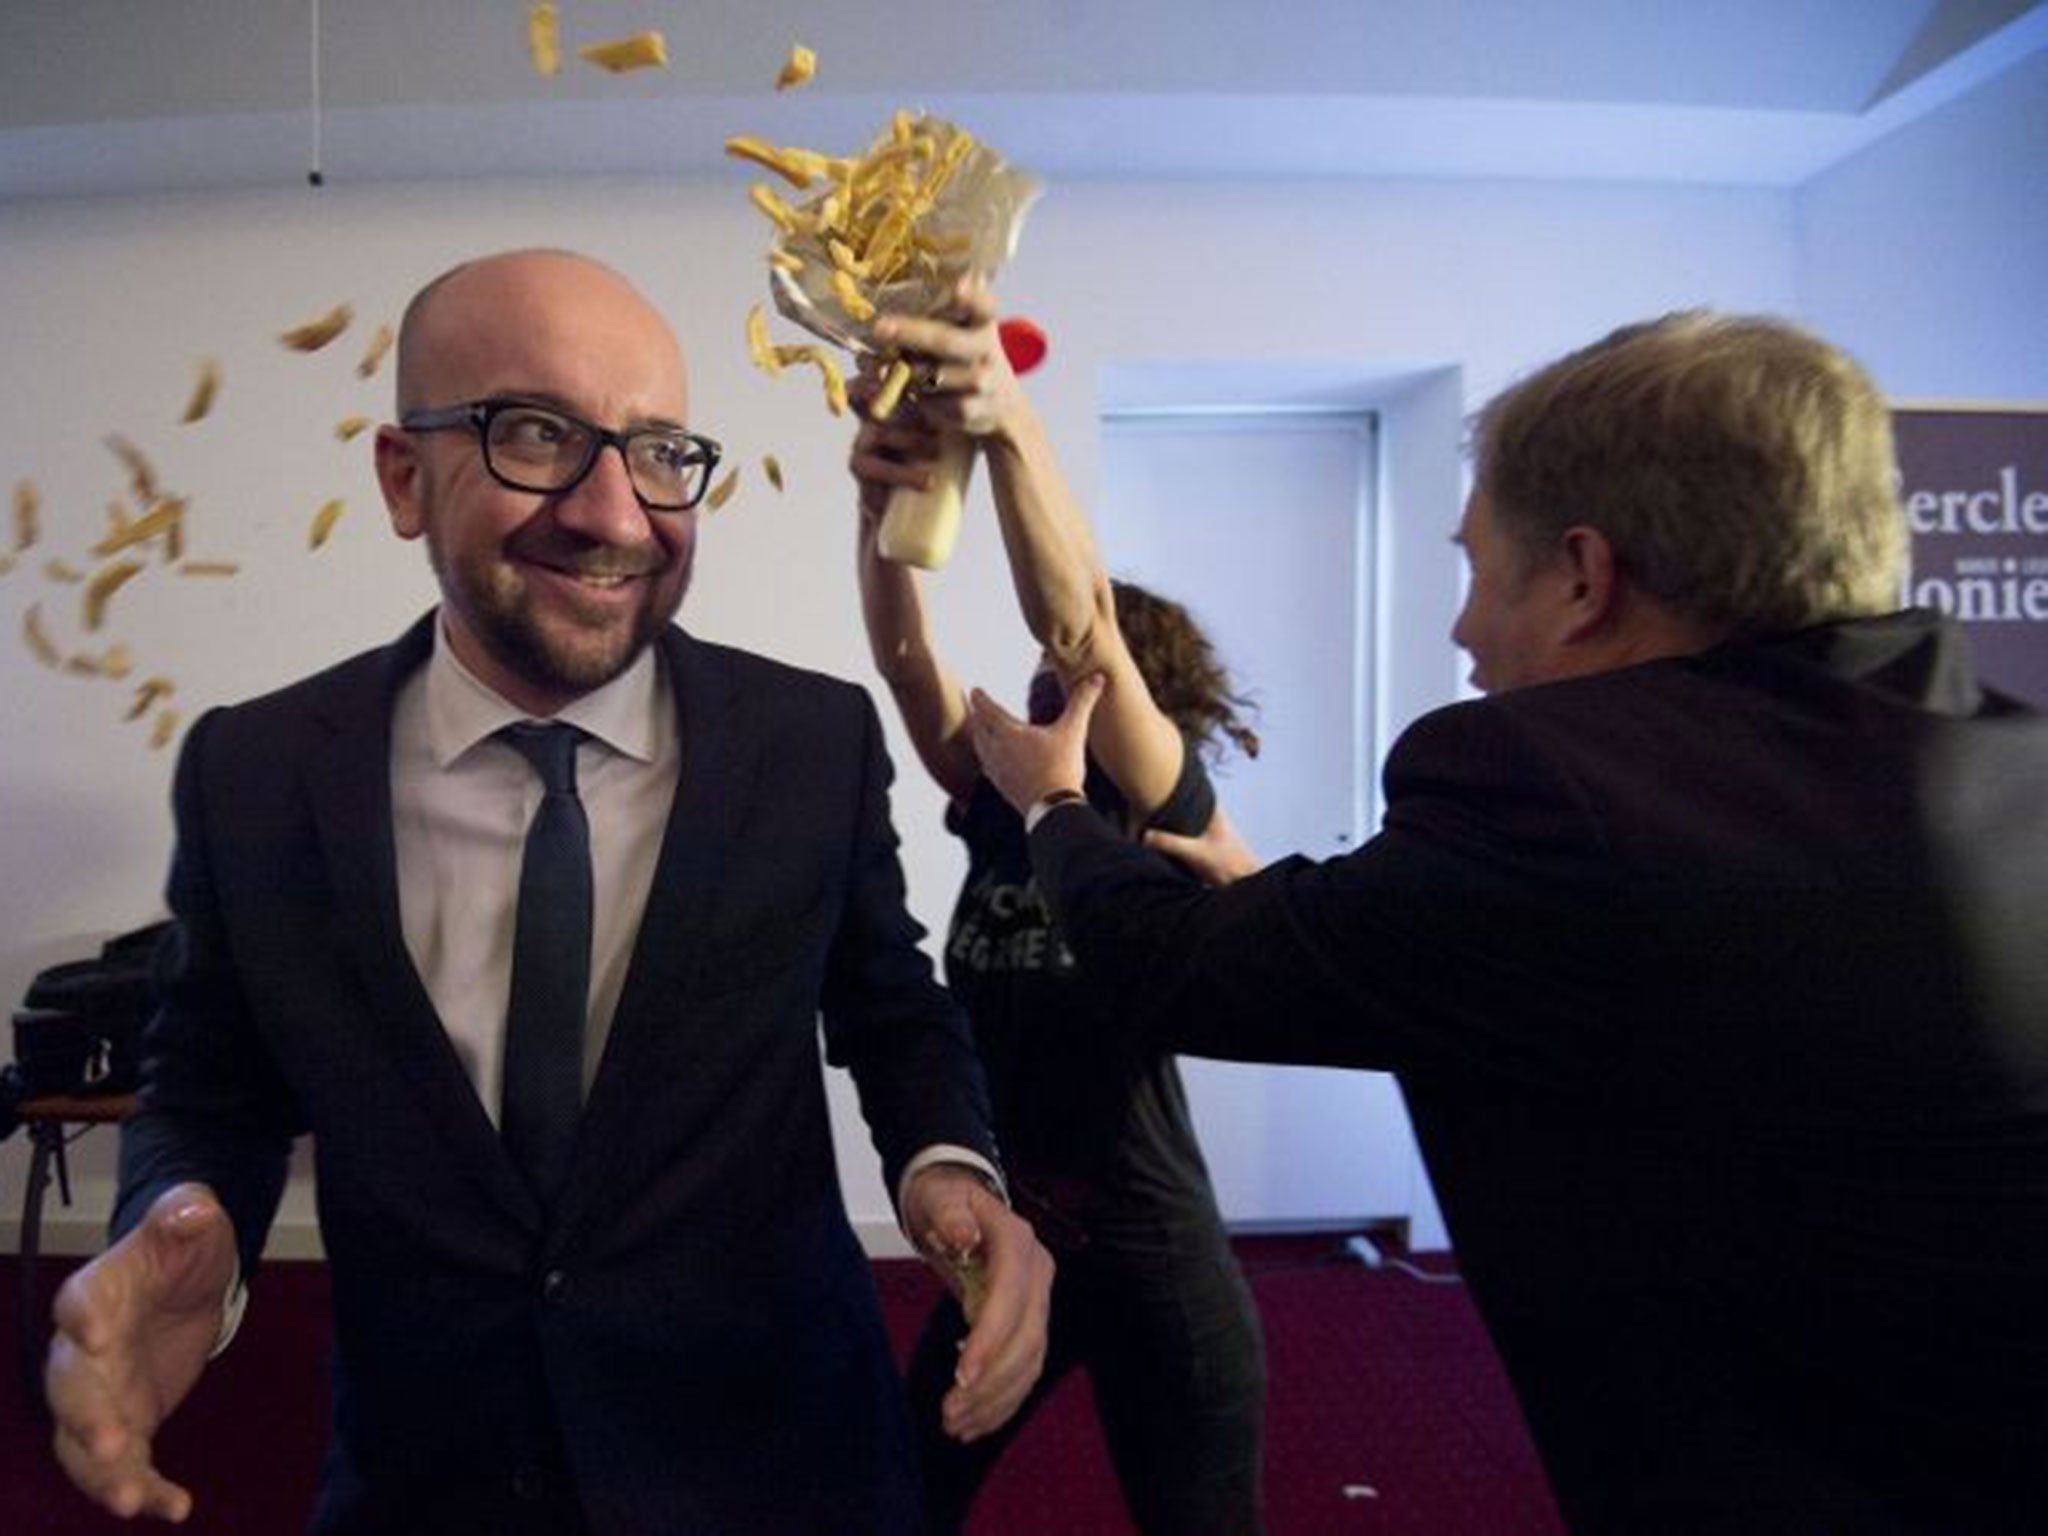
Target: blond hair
<point>1740,467</point>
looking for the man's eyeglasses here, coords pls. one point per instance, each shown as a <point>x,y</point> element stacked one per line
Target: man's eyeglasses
<point>537,448</point>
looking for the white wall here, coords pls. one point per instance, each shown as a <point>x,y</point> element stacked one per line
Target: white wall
<point>1927,254</point>
<point>109,304</point>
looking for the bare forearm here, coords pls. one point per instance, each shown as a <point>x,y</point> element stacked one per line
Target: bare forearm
<point>927,696</point>
<point>1054,564</point>
<point>892,608</point>
<point>1070,609</point>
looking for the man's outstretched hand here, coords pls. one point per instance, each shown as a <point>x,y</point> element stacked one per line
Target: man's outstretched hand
<point>1028,762</point>
<point>134,1330</point>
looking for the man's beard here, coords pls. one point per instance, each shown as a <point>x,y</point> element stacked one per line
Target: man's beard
<point>497,603</point>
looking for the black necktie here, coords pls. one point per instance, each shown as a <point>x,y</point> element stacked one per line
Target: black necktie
<point>550,967</point>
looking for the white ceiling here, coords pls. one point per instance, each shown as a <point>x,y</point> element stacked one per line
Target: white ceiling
<point>138,95</point>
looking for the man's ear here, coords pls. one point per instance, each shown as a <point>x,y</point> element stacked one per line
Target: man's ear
<point>399,477</point>
<point>1593,580</point>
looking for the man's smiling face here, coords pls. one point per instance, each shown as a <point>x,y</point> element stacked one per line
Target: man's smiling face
<point>545,596</point>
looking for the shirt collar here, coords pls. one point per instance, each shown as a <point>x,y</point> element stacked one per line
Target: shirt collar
<point>463,710</point>
<point>1916,655</point>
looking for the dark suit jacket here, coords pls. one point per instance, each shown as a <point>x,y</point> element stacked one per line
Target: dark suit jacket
<point>692,1343</point>
<point>1718,988</point>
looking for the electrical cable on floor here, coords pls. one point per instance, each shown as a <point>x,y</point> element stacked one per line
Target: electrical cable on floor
<point>1355,1249</point>
<point>1367,1252</point>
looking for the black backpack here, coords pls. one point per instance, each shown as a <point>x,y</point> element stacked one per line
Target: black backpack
<point>79,1029</point>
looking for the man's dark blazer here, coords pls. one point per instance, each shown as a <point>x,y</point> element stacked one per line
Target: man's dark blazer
<point>1718,989</point>
<point>692,1343</point>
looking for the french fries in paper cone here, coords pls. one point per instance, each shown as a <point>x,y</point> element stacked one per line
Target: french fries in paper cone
<point>891,231</point>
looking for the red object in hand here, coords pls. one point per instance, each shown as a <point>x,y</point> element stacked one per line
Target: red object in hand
<point>1023,343</point>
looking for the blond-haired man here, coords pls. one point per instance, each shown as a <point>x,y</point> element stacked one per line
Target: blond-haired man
<point>1711,950</point>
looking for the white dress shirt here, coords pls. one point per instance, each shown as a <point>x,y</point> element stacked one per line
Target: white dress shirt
<point>461,802</point>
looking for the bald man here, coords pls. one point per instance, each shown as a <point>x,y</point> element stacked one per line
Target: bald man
<point>591,1264</point>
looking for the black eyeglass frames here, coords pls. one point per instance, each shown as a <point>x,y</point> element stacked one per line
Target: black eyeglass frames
<point>538,448</point>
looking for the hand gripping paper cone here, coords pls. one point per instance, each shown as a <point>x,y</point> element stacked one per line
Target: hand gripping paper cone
<point>919,526</point>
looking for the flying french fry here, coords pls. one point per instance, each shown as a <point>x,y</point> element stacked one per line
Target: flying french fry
<point>38,641</point>
<point>543,38</point>
<point>721,493</point>
<point>101,588</point>
<point>834,382</point>
<point>798,167</point>
<point>141,476</point>
<point>160,521</point>
<point>351,427</point>
<point>147,692</point>
<point>164,728</point>
<point>323,523</point>
<point>315,334</point>
<point>27,518</point>
<point>797,68</point>
<point>204,388</point>
<point>773,467</point>
<point>830,377</point>
<point>640,51</point>
<point>373,354</point>
<point>764,356</point>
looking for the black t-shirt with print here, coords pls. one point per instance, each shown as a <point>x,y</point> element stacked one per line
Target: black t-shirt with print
<point>1089,1122</point>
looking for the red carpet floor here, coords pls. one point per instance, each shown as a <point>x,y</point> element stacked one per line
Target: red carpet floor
<point>1388,1415</point>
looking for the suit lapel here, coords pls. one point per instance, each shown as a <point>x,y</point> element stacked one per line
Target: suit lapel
<point>349,784</point>
<point>719,753</point>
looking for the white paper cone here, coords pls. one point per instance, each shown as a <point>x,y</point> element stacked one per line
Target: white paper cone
<point>920,527</point>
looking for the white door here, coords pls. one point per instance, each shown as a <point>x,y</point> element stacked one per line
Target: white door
<point>1261,522</point>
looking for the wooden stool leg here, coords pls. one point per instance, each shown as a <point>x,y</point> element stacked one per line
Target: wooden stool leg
<point>47,1143</point>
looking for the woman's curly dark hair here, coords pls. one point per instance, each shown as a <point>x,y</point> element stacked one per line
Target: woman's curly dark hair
<point>1179,666</point>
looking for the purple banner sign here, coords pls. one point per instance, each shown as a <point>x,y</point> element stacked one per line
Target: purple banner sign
<point>1974,483</point>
